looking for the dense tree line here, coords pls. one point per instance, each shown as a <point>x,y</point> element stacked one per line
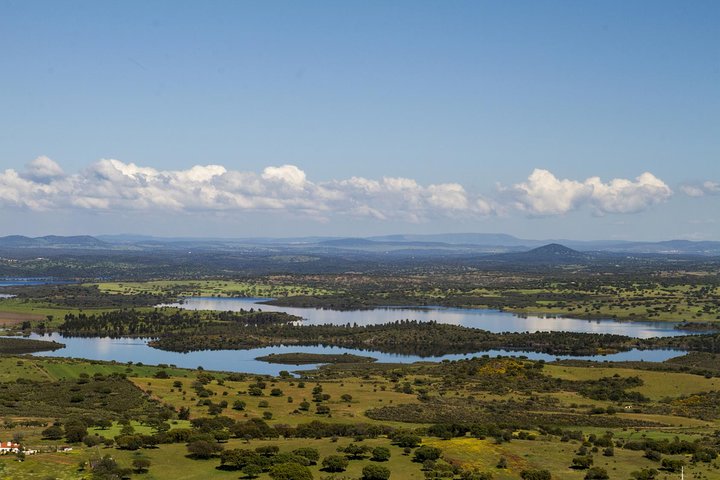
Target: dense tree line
<point>424,338</point>
<point>406,337</point>
<point>156,322</point>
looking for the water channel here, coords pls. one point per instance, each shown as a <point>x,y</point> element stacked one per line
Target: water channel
<point>136,349</point>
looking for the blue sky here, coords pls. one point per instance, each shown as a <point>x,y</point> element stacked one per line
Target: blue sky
<point>314,110</point>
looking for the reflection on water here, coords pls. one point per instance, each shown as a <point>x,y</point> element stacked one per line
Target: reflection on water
<point>491,320</point>
<point>136,350</point>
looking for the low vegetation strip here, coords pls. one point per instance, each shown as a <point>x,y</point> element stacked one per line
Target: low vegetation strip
<point>16,346</point>
<point>504,415</point>
<point>299,358</point>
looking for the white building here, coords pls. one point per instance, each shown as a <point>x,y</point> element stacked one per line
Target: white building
<point>9,447</point>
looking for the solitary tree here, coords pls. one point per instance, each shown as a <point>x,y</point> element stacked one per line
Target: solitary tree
<point>141,465</point>
<point>290,471</point>
<point>54,432</point>
<point>203,449</point>
<point>335,463</point>
<point>375,472</point>
<point>535,475</point>
<point>596,473</point>
<point>426,453</point>
<point>308,452</point>
<point>407,440</point>
<point>380,454</point>
<point>252,470</point>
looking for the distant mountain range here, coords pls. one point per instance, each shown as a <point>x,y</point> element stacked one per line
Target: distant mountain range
<point>432,244</point>
<point>52,241</point>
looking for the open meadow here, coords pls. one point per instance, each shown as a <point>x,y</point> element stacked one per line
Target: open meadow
<point>492,418</point>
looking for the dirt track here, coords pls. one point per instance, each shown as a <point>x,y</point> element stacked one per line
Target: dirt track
<point>13,318</point>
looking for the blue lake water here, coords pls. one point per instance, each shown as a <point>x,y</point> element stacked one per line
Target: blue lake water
<point>11,282</point>
<point>490,320</point>
<point>136,350</point>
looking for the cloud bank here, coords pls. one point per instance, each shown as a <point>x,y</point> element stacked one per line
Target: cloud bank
<point>544,194</point>
<point>112,185</point>
<point>701,189</point>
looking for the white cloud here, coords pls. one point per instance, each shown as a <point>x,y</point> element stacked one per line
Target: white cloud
<point>692,190</point>
<point>112,185</point>
<point>625,196</point>
<point>448,195</point>
<point>289,175</point>
<point>701,189</point>
<point>544,194</point>
<point>713,187</point>
<point>42,169</point>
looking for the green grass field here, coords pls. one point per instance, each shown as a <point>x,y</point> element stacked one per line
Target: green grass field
<point>691,303</point>
<point>365,394</point>
<point>48,368</point>
<point>657,385</point>
<point>38,310</point>
<point>366,391</point>
<point>170,462</point>
<point>211,288</point>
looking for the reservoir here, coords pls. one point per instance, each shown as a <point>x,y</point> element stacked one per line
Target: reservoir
<point>491,320</point>
<point>136,349</point>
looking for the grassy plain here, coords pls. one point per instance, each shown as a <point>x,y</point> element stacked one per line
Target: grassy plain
<point>652,300</point>
<point>495,390</point>
<point>32,310</point>
<point>656,385</point>
<point>369,387</point>
<point>672,303</point>
<point>211,288</point>
<point>15,310</point>
<point>170,462</point>
<point>365,394</point>
<point>524,454</point>
<point>688,300</point>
